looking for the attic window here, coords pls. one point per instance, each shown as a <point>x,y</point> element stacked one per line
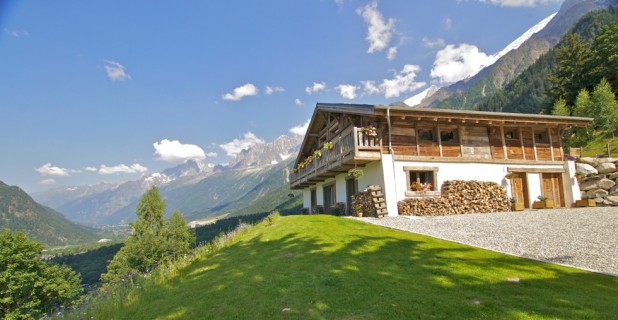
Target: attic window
<point>540,136</point>
<point>425,134</point>
<point>449,136</point>
<point>511,134</point>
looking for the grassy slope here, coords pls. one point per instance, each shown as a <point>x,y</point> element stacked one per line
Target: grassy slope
<point>337,268</point>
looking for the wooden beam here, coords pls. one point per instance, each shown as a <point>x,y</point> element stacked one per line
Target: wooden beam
<point>439,140</point>
<point>536,157</point>
<point>551,143</point>
<point>521,142</point>
<point>504,150</point>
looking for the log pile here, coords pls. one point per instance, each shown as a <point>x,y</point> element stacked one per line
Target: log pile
<point>372,201</point>
<point>459,197</point>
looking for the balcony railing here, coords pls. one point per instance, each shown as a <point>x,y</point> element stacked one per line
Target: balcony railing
<point>350,145</point>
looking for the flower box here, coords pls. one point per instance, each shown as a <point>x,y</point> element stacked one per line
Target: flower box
<point>517,206</point>
<point>586,203</point>
<point>543,204</point>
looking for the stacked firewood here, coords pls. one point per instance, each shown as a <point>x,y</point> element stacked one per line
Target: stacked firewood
<point>371,201</point>
<point>459,197</point>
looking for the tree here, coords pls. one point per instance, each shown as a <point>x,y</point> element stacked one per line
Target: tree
<point>152,241</point>
<point>605,108</point>
<point>583,108</point>
<point>560,108</point>
<point>605,53</point>
<point>27,283</point>
<point>178,237</point>
<point>145,248</point>
<point>573,64</point>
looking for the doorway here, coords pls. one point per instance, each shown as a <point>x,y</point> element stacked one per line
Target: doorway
<point>519,188</point>
<point>351,188</point>
<point>551,187</point>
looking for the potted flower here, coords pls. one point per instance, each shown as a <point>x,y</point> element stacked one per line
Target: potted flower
<point>370,131</point>
<point>359,212</point>
<point>317,153</point>
<point>355,173</point>
<point>586,201</point>
<point>328,146</point>
<point>516,206</point>
<point>421,187</point>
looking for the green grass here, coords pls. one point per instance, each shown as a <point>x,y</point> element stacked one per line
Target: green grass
<point>324,267</point>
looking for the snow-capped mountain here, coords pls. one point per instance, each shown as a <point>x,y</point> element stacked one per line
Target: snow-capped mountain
<point>418,98</point>
<point>271,153</point>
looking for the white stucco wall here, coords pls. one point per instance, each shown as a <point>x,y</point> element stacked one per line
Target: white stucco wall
<point>307,198</point>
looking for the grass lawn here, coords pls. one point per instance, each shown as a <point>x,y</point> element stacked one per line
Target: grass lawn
<point>325,267</point>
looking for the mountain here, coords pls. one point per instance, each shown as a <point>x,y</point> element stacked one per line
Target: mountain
<point>19,212</point>
<point>196,189</point>
<point>527,92</point>
<point>514,59</point>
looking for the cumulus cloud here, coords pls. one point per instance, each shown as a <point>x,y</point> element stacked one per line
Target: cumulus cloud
<point>347,91</point>
<point>379,31</point>
<point>301,129</point>
<point>47,182</point>
<point>212,154</point>
<point>245,90</point>
<point>437,43</point>
<point>234,147</point>
<point>271,90</point>
<point>176,152</point>
<point>115,71</point>
<point>298,102</point>
<point>456,62</point>
<point>402,82</point>
<point>91,169</point>
<point>49,170</point>
<point>392,53</point>
<point>519,3</point>
<point>317,86</point>
<point>122,168</point>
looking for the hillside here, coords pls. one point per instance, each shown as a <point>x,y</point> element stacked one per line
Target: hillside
<point>527,92</point>
<point>467,93</point>
<point>19,212</point>
<point>327,267</point>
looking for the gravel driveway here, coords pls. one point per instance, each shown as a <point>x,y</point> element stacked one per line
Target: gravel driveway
<point>585,238</point>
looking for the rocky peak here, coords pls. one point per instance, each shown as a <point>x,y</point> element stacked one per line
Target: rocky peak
<point>270,153</point>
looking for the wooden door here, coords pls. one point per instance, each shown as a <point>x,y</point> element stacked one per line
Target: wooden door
<point>519,188</point>
<point>551,187</point>
<point>351,186</point>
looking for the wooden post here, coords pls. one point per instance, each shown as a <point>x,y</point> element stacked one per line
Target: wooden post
<point>503,142</point>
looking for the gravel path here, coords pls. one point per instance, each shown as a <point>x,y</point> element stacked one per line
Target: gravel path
<point>585,238</point>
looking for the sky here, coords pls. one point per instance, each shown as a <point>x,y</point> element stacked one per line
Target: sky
<point>107,91</point>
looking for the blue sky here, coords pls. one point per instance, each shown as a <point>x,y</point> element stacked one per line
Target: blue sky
<point>95,91</point>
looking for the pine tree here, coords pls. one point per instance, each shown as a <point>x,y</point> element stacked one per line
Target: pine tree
<point>605,108</point>
<point>560,108</point>
<point>573,64</point>
<point>605,52</point>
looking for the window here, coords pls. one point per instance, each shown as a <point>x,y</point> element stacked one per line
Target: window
<point>540,136</point>
<point>425,134</point>
<point>449,136</point>
<point>421,181</point>
<point>329,196</point>
<point>511,134</point>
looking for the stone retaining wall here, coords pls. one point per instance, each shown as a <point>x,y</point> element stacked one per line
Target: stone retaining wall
<point>600,176</point>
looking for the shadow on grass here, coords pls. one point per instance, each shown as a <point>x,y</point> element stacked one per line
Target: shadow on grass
<point>345,269</point>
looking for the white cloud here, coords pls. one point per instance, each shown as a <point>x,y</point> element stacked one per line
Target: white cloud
<point>437,43</point>
<point>301,129</point>
<point>47,182</point>
<point>456,62</point>
<point>91,169</point>
<point>347,91</point>
<point>379,32</point>
<point>402,82</point>
<point>212,154</point>
<point>317,86</point>
<point>121,168</point>
<point>176,152</point>
<point>245,90</point>
<point>16,33</point>
<point>49,170</point>
<point>298,102</point>
<point>235,146</point>
<point>392,53</point>
<point>115,71</point>
<point>271,90</point>
<point>519,3</point>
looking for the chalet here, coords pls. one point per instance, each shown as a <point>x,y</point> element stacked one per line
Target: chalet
<point>404,150</point>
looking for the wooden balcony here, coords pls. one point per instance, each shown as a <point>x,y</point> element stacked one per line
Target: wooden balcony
<point>350,147</point>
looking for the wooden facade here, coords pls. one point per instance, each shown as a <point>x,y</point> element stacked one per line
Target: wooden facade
<point>412,134</point>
